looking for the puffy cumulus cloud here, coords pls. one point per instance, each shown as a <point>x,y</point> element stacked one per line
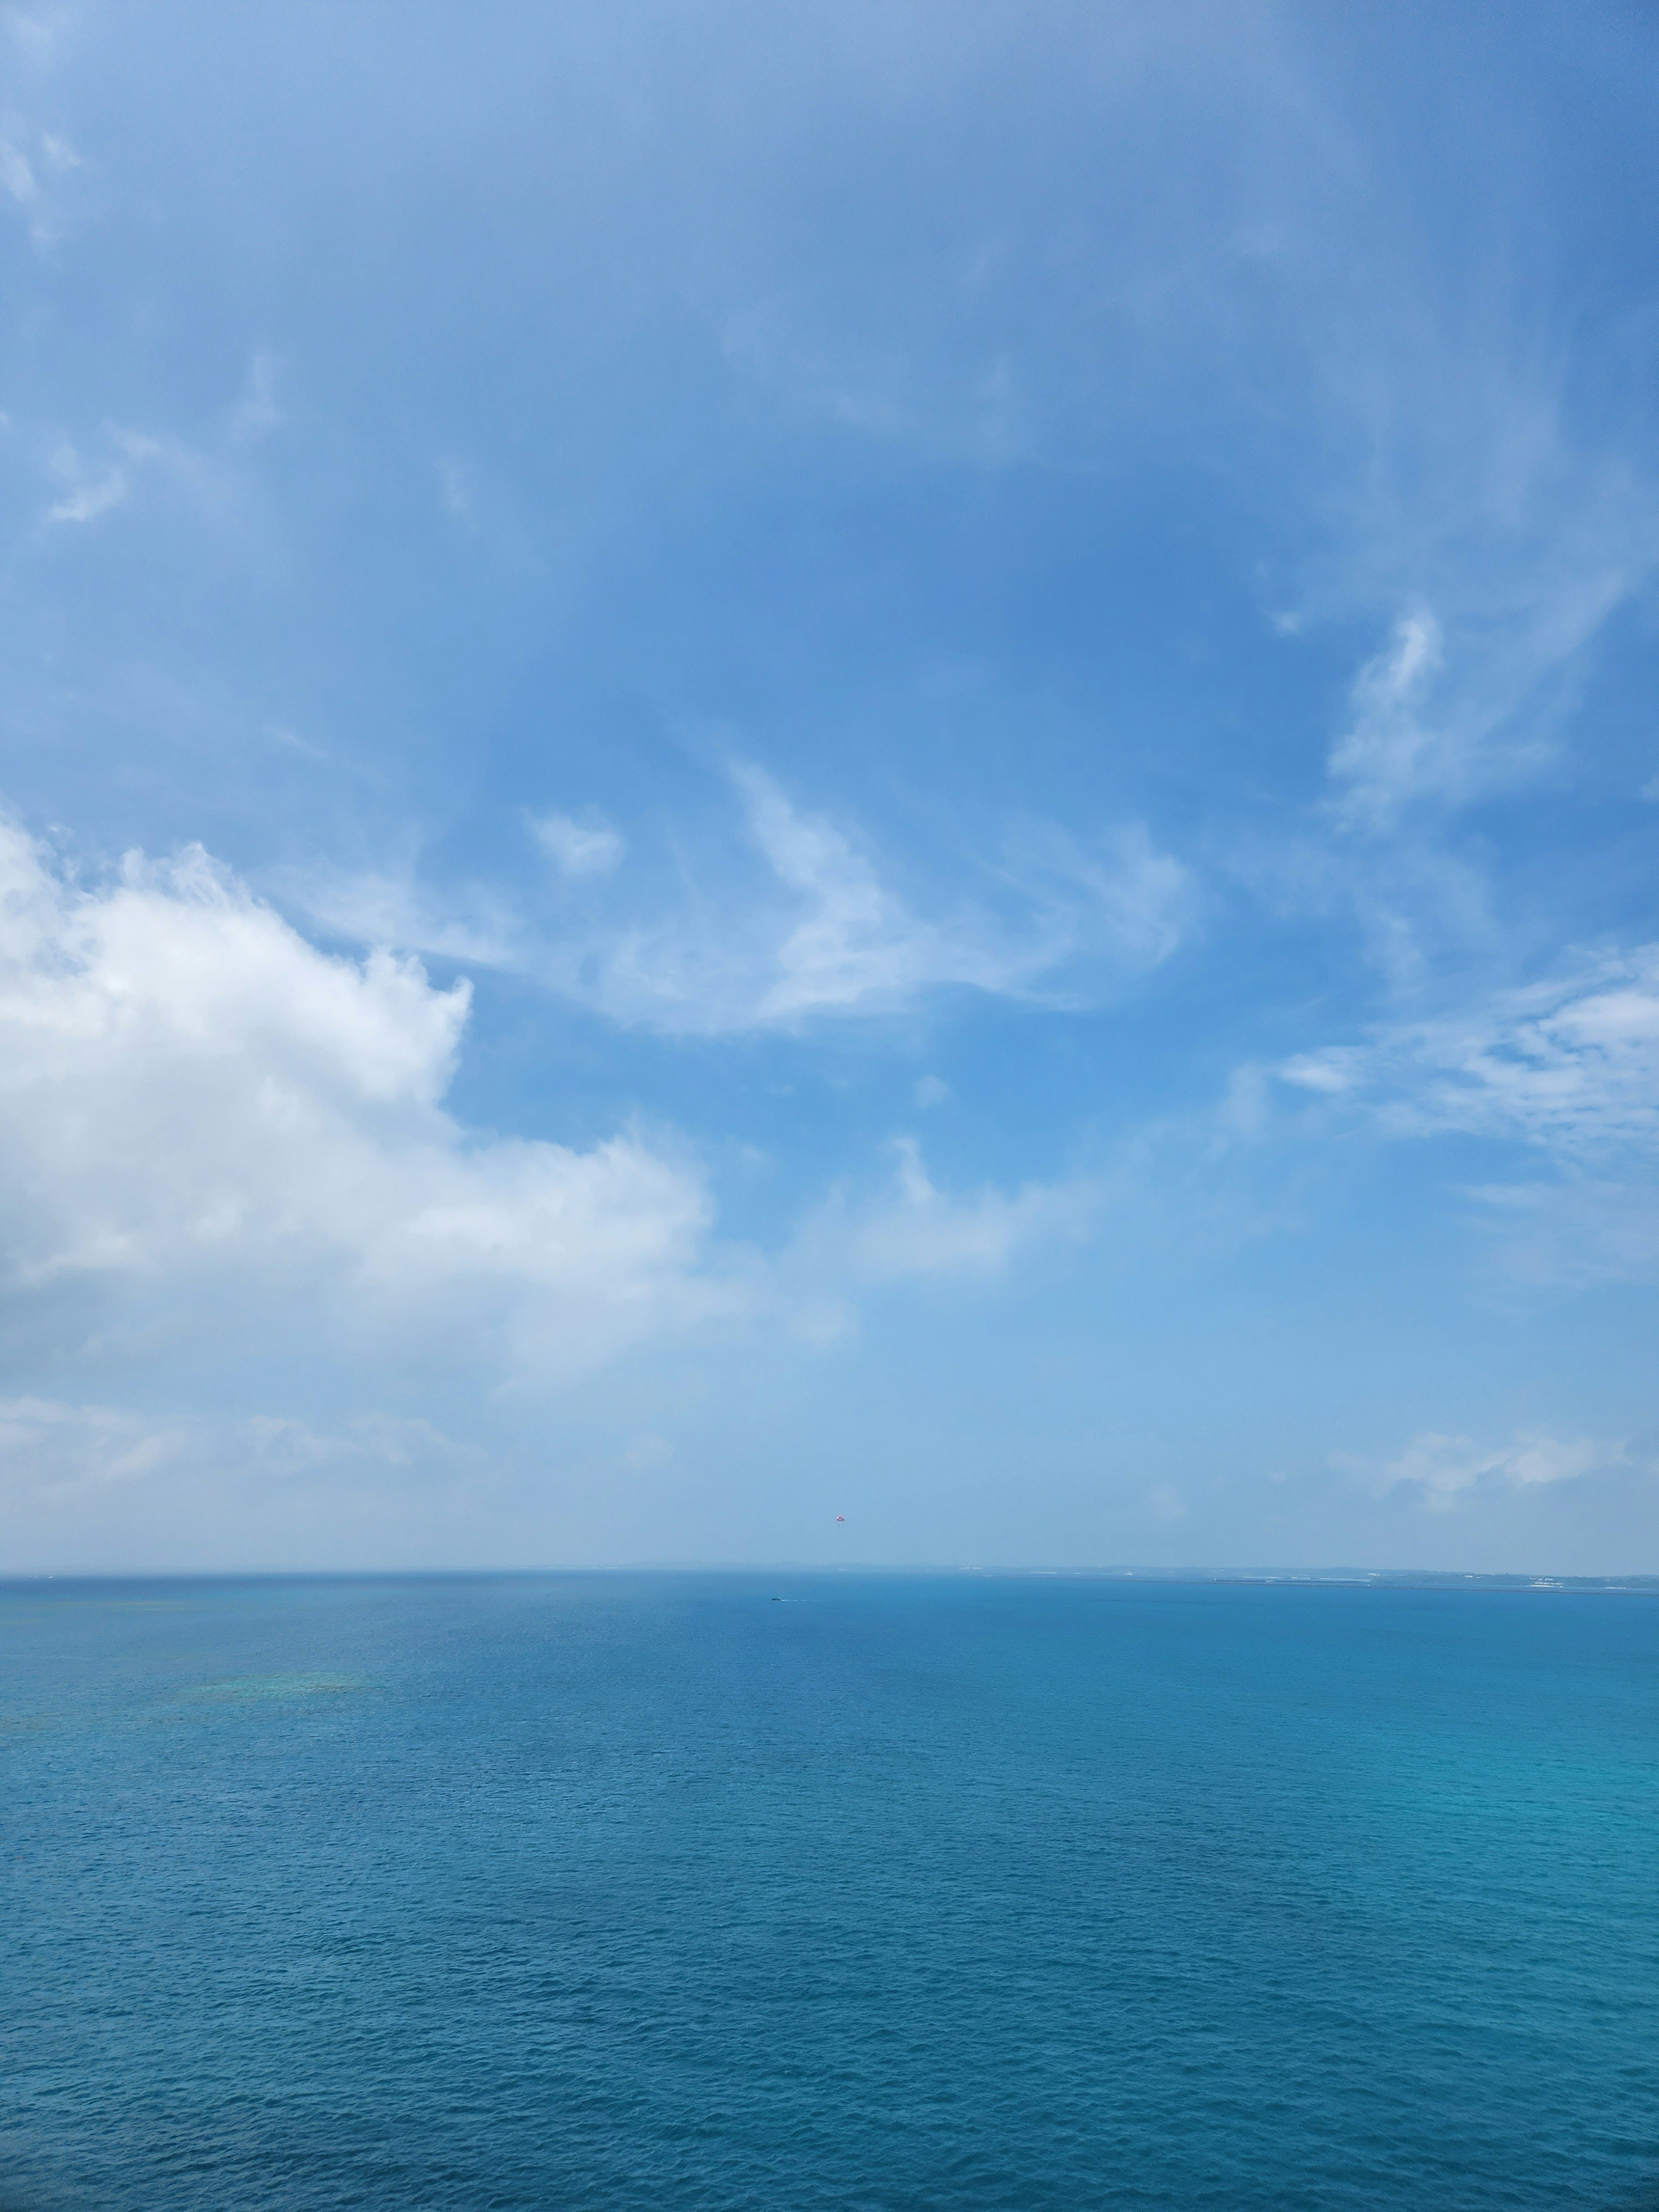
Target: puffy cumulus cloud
<point>229,1183</point>
<point>195,1101</point>
<point>1442,1468</point>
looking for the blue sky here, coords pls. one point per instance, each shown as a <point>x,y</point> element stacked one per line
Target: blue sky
<point>889,761</point>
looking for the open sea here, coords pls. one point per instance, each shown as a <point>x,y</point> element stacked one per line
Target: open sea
<point>737,1893</point>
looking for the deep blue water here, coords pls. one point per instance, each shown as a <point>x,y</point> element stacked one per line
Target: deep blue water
<point>647,1892</point>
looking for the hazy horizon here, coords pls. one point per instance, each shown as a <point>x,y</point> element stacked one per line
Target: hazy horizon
<point>1514,1580</point>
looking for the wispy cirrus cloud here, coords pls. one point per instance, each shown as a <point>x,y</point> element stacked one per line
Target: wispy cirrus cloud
<point>577,848</point>
<point>1440,719</point>
<point>35,165</point>
<point>90,488</point>
<point>90,471</point>
<point>913,1229</point>
<point>1485,497</point>
<point>1569,1065</point>
<point>1568,1070</point>
<point>808,925</point>
<point>1389,752</point>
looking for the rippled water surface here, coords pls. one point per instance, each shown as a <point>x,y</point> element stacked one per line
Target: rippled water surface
<point>603,1892</point>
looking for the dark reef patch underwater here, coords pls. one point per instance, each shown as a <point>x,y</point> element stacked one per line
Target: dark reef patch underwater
<point>622,1891</point>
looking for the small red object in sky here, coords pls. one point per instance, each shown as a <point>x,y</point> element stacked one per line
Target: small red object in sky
<point>841,1516</point>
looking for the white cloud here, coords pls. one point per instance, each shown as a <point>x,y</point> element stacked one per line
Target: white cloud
<point>1442,1468</point>
<point>818,930</point>
<point>762,342</point>
<point>1115,900</point>
<point>1570,1065</point>
<point>390,909</point>
<point>37,31</point>
<point>1117,904</point>
<point>256,413</point>
<point>1477,501</point>
<point>1422,908</point>
<point>975,411</point>
<point>1575,1230</point>
<point>106,1488</point>
<point>91,497</point>
<point>854,941</point>
<point>91,488</point>
<point>1388,753</point>
<point>17,174</point>
<point>34,162</point>
<point>52,1449</point>
<point>392,1441</point>
<point>454,490</point>
<point>1569,1068</point>
<point>577,848</point>
<point>58,1451</point>
<point>914,1229</point>
<point>192,1094</point>
<point>1449,716</point>
<point>213,475</point>
<point>294,742</point>
<point>221,1146</point>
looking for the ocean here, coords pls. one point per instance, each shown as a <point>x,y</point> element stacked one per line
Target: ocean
<point>628,1893</point>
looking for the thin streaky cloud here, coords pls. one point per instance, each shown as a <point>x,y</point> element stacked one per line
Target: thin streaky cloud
<point>1569,1065</point>
<point>817,932</point>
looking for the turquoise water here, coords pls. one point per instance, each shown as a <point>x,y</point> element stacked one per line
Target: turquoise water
<point>649,1891</point>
